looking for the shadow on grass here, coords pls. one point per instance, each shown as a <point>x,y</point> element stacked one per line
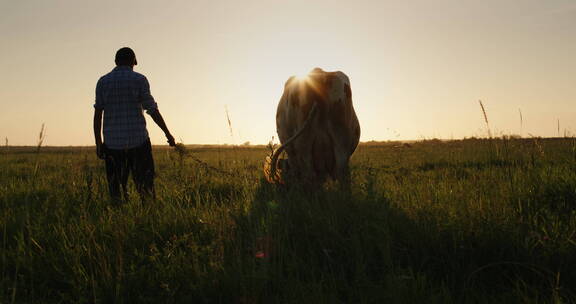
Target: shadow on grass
<point>330,246</point>
<point>326,246</point>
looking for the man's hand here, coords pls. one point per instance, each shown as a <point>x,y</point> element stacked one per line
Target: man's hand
<point>171,141</point>
<point>100,151</point>
<point>97,135</point>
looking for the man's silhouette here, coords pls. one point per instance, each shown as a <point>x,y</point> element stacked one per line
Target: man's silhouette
<point>121,96</point>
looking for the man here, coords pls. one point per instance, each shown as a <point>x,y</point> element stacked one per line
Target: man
<point>121,97</point>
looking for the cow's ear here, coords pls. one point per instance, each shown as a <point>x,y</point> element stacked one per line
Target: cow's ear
<point>348,91</point>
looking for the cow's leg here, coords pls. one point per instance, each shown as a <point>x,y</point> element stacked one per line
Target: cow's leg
<point>308,172</point>
<point>342,159</point>
<point>295,165</point>
<point>305,162</point>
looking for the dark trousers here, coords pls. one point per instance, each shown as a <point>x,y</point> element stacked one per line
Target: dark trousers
<point>139,162</point>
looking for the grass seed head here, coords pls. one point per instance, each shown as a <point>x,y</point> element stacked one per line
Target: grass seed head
<point>181,149</point>
<point>485,118</point>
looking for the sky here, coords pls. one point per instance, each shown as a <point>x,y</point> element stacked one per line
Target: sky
<point>417,67</point>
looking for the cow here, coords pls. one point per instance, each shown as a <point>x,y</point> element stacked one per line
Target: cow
<point>317,127</point>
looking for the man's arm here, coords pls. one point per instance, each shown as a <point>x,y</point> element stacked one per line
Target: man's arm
<point>159,120</point>
<point>151,108</point>
<point>98,132</point>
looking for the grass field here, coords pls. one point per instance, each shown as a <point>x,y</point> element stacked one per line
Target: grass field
<point>472,221</point>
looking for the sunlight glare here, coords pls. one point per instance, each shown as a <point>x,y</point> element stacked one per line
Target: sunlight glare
<point>302,77</point>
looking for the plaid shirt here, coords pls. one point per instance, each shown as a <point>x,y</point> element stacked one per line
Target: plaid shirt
<point>123,94</point>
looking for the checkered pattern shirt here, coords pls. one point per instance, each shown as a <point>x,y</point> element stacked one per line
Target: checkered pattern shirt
<point>123,94</point>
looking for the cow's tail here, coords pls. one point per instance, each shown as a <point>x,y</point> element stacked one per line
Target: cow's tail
<point>277,152</point>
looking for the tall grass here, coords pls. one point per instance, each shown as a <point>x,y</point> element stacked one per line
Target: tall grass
<point>229,122</point>
<point>40,141</point>
<point>521,123</point>
<point>431,222</point>
<point>485,118</point>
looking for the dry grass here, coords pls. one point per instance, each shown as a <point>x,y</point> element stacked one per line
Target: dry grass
<point>485,119</point>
